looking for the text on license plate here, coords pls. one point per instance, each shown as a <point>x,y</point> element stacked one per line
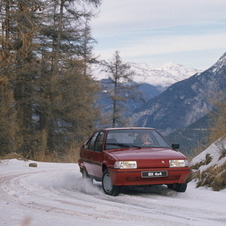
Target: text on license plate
<point>154,174</point>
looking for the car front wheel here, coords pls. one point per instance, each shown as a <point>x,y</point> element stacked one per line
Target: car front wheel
<point>178,187</point>
<point>107,185</point>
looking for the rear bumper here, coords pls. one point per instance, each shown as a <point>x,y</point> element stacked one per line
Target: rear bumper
<point>133,176</point>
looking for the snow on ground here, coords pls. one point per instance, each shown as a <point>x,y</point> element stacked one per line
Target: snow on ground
<point>214,151</point>
<point>55,194</point>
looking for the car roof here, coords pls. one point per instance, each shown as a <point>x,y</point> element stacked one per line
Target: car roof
<point>126,128</point>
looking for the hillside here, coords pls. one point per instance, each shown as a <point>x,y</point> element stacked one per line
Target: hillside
<point>152,81</point>
<point>148,92</point>
<point>183,102</point>
<point>209,167</point>
<point>191,136</point>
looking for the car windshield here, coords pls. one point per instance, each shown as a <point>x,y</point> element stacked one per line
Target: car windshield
<point>123,138</point>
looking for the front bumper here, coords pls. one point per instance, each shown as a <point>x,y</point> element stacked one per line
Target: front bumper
<point>133,176</point>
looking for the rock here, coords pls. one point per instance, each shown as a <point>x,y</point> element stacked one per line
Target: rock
<point>33,164</point>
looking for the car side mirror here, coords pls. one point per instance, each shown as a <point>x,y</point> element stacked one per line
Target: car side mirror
<point>175,146</point>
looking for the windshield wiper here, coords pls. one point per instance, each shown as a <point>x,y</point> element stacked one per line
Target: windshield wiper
<point>124,145</point>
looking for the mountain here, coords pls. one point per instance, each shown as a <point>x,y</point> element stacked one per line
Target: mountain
<point>160,77</point>
<point>148,91</point>
<point>192,136</point>
<point>152,80</point>
<point>183,102</point>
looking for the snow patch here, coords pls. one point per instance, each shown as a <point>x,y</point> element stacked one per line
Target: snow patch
<point>214,151</point>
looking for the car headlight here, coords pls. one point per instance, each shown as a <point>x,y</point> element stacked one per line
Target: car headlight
<point>178,163</point>
<point>125,165</point>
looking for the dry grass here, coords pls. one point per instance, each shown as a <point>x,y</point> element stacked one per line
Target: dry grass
<point>207,160</point>
<point>198,150</point>
<point>71,156</point>
<point>45,156</point>
<point>214,176</point>
<point>221,145</point>
<point>13,155</point>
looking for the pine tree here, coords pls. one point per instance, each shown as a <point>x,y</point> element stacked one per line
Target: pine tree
<point>120,88</point>
<point>48,95</point>
<point>18,63</point>
<point>69,53</point>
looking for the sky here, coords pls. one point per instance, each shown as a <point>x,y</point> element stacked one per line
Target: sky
<point>155,32</point>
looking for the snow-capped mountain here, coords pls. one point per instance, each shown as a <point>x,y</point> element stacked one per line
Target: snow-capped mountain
<point>184,102</point>
<point>161,77</point>
<point>219,64</point>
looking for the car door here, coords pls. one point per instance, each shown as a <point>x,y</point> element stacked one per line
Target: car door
<point>88,153</point>
<point>97,155</point>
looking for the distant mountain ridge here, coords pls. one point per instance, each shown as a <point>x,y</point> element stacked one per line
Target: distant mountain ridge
<point>183,102</point>
<point>163,76</point>
<point>160,77</point>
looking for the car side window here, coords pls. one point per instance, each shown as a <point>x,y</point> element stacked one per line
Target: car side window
<point>92,141</point>
<point>99,142</point>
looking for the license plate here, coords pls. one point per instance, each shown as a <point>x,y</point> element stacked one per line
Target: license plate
<point>154,174</point>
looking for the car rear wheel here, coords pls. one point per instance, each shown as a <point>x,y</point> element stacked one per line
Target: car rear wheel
<point>107,185</point>
<point>86,177</point>
<point>178,187</point>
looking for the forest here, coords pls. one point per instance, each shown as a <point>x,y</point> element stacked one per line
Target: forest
<point>47,93</point>
<point>48,97</point>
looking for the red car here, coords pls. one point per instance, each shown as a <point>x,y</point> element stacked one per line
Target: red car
<point>132,156</point>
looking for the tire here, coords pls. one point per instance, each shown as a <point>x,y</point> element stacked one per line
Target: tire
<point>178,187</point>
<point>86,177</point>
<point>107,185</point>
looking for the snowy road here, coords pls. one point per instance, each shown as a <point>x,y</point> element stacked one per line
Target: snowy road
<point>55,194</point>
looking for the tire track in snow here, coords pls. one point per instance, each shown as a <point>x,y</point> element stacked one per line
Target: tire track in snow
<point>21,189</point>
<point>62,191</point>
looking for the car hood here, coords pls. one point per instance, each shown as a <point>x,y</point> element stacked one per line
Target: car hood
<point>147,157</point>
